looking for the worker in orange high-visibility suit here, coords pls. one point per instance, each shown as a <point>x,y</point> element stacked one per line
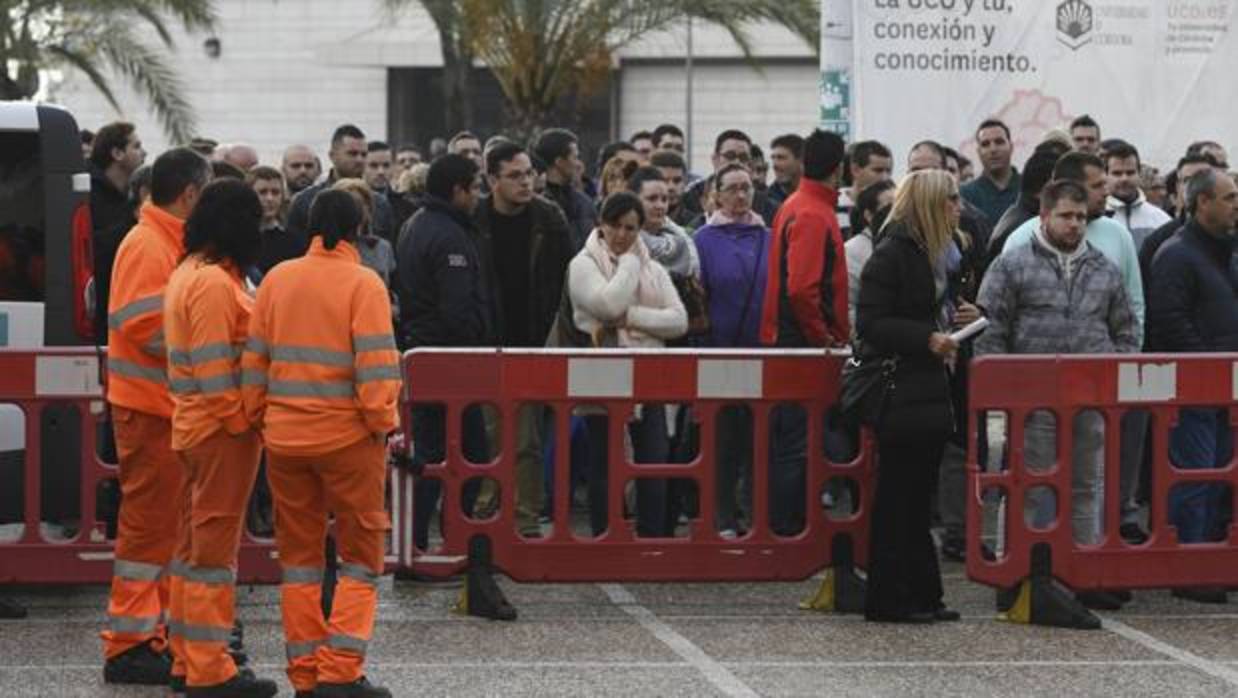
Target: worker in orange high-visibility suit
<point>206,319</point>
<point>322,376</point>
<point>151,476</point>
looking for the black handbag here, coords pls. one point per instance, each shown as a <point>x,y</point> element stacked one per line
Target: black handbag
<point>866,387</point>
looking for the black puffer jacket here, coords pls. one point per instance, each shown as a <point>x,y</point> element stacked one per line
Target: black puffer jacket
<point>445,296</point>
<point>1193,297</point>
<point>898,310</point>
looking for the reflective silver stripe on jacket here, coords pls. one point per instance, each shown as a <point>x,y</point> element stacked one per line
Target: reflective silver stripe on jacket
<point>309,389</point>
<point>311,355</point>
<point>378,373</point>
<point>214,384</point>
<point>373,342</point>
<point>131,370</point>
<point>210,575</point>
<point>138,307</point>
<point>257,346</point>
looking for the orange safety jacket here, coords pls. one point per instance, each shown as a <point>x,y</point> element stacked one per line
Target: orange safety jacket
<point>321,370</point>
<point>206,320</point>
<point>137,361</point>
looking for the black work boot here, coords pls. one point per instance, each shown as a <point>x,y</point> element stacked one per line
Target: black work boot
<point>243,685</point>
<point>361,688</point>
<point>140,665</point>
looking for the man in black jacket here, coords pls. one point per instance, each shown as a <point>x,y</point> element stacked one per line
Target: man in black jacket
<point>526,243</point>
<point>115,157</point>
<point>445,301</point>
<point>1188,167</point>
<point>559,150</point>
<point>1193,308</point>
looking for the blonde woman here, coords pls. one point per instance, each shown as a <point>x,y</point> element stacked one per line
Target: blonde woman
<point>901,315</point>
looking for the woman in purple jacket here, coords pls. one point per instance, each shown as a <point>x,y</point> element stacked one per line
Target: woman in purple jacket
<point>733,248</point>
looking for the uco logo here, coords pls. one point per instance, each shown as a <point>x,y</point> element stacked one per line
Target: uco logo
<point>1074,23</point>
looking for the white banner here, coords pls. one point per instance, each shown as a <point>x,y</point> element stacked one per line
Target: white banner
<point>1157,73</point>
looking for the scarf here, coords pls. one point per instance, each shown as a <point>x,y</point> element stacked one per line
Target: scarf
<point>672,248</point>
<point>721,217</point>
<point>647,292</point>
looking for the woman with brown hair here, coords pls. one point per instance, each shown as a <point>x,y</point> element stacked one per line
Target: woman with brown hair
<point>902,316</point>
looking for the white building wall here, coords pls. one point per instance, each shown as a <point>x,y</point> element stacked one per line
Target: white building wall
<point>782,98</point>
<point>292,70</point>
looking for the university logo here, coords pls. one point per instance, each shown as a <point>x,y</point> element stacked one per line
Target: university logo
<point>1074,23</point>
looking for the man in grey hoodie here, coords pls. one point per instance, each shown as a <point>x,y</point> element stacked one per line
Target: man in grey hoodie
<point>1060,295</point>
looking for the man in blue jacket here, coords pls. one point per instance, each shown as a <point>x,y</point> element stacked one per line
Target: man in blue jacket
<point>1194,308</point>
<point>445,301</point>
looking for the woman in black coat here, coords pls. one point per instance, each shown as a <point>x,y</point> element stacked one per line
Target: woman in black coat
<point>902,313</point>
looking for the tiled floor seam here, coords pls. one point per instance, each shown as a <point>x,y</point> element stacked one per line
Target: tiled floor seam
<point>717,674</point>
<point>1215,669</point>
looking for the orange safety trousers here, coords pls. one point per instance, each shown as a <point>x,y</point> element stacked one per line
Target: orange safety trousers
<point>219,476</point>
<point>349,482</point>
<point>150,480</point>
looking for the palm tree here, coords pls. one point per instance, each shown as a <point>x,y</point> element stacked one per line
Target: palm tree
<point>97,37</point>
<point>541,50</point>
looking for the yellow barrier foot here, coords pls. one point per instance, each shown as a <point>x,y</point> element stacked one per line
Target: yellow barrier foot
<point>841,590</point>
<point>1042,600</point>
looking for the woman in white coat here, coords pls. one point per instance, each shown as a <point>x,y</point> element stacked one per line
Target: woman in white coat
<point>621,297</point>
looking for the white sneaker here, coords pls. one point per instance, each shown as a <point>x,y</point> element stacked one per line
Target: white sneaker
<point>728,534</point>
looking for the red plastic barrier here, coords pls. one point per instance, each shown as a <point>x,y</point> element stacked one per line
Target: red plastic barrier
<point>1111,386</point>
<point>618,381</point>
<point>60,389</point>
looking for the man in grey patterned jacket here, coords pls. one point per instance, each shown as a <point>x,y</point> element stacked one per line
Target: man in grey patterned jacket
<point>1059,295</point>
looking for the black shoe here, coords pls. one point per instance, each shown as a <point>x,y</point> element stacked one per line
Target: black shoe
<point>243,685</point>
<point>946,615</point>
<point>11,611</point>
<point>954,549</point>
<point>304,694</point>
<point>1132,534</point>
<point>451,581</point>
<point>1098,601</point>
<point>141,666</point>
<point>361,688</point>
<point>1216,595</point>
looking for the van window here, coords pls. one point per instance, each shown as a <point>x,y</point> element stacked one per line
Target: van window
<point>21,217</point>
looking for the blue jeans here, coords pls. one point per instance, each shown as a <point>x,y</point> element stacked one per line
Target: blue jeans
<point>1201,441</point>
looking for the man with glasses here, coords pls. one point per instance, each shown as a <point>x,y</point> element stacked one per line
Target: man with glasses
<point>731,146</point>
<point>527,243</point>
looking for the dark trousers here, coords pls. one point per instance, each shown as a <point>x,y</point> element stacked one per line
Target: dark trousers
<point>788,447</point>
<point>429,446</point>
<point>734,458</point>
<point>650,444</point>
<point>903,576</point>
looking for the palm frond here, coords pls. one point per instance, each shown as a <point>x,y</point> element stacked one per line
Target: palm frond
<point>153,77</point>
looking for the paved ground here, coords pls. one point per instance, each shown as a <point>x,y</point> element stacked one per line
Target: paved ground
<point>688,640</point>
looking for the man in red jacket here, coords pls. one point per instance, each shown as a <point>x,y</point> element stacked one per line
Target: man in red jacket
<point>805,306</point>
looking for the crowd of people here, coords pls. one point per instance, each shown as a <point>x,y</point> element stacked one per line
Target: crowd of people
<point>238,309</point>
